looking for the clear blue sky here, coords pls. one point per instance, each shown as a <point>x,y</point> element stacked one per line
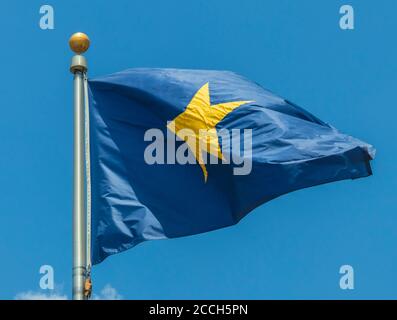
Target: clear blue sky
<point>291,247</point>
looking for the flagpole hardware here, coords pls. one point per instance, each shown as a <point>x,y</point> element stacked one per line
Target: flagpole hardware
<point>79,64</point>
<point>88,285</point>
<point>79,43</point>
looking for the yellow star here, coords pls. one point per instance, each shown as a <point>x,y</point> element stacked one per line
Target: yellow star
<point>201,118</point>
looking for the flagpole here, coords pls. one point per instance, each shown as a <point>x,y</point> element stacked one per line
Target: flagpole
<point>79,43</point>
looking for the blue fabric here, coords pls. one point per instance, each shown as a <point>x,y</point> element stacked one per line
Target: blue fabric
<point>133,201</point>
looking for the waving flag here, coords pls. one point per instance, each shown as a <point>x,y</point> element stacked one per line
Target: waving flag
<point>180,152</point>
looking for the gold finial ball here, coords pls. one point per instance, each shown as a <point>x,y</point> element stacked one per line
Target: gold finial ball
<point>79,42</point>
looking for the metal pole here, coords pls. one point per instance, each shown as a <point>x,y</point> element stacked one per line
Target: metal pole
<point>79,43</point>
<point>79,223</point>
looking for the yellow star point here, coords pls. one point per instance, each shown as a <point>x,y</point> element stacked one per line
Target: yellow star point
<point>201,117</point>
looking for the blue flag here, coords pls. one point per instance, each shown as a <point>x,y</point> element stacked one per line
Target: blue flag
<point>180,152</point>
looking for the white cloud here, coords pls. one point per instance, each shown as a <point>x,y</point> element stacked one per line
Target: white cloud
<point>107,293</point>
<point>31,295</point>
